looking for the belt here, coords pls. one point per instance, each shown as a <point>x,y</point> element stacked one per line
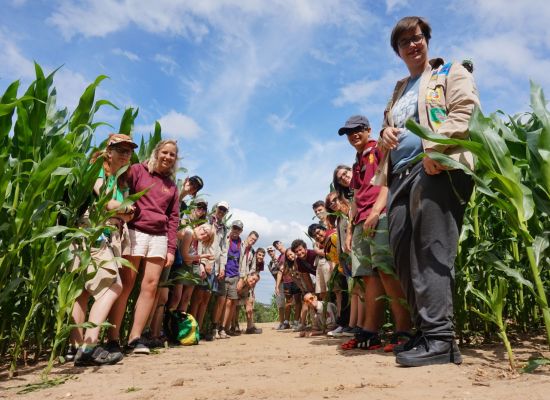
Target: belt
<point>403,173</point>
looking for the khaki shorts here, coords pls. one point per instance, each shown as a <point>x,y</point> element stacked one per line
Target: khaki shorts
<point>230,289</point>
<point>146,245</point>
<point>322,274</point>
<point>367,253</point>
<point>104,267</point>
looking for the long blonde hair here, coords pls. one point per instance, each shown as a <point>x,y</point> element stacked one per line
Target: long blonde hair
<point>153,160</point>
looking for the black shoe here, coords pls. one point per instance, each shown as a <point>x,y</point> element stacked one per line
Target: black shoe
<point>99,356</point>
<point>408,345</point>
<point>71,353</point>
<point>113,346</point>
<point>253,330</point>
<point>138,346</point>
<point>430,351</point>
<point>154,343</point>
<point>208,337</point>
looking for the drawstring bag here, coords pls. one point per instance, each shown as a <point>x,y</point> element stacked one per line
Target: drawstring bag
<point>181,328</point>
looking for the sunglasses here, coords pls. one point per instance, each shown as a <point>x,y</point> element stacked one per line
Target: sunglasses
<point>222,209</point>
<point>123,151</point>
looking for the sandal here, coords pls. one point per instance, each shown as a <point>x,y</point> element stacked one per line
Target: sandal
<point>368,341</point>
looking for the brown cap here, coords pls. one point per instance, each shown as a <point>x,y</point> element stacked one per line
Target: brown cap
<point>120,138</point>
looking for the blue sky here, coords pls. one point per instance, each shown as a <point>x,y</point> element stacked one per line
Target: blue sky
<point>255,91</point>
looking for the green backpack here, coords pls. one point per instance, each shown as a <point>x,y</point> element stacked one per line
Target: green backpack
<point>181,328</point>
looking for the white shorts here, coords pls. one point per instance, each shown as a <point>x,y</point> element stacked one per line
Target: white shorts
<point>148,246</point>
<point>322,275</point>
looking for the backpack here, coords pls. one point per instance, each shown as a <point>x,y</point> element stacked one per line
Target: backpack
<point>181,328</point>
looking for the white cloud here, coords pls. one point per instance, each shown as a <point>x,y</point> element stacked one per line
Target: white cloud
<point>321,56</point>
<point>394,5</point>
<point>174,125</point>
<point>18,3</point>
<point>269,229</point>
<point>69,84</point>
<point>14,64</point>
<point>167,64</point>
<point>125,53</point>
<point>280,123</point>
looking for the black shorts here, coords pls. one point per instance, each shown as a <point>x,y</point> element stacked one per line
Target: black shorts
<point>291,289</point>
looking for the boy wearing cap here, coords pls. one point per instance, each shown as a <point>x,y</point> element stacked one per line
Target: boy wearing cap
<point>368,237</point>
<point>231,275</point>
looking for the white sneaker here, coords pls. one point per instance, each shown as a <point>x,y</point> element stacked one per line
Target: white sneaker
<point>336,332</point>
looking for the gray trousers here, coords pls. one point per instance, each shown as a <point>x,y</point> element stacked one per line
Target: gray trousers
<point>425,215</point>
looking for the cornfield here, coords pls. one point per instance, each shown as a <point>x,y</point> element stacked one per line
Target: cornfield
<point>502,273</point>
<point>44,189</point>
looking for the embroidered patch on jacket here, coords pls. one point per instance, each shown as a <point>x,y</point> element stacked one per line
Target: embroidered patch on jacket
<point>445,69</point>
<point>437,116</point>
<point>434,95</point>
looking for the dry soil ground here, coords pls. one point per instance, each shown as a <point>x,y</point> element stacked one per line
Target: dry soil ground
<point>280,365</point>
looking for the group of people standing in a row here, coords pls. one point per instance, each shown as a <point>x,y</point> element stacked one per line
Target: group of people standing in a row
<point>183,253</point>
<point>390,227</point>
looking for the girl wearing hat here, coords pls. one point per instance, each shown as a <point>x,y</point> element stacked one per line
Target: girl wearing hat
<point>106,285</point>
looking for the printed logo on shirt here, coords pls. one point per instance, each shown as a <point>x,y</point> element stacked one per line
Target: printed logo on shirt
<point>371,158</point>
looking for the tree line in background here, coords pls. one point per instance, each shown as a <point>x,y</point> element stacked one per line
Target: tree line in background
<point>502,273</point>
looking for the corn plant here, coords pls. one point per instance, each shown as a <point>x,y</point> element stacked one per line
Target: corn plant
<point>45,188</point>
<point>513,193</point>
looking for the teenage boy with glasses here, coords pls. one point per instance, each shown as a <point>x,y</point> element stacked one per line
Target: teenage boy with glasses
<point>369,238</point>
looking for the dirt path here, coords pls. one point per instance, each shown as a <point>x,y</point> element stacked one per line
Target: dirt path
<point>279,365</point>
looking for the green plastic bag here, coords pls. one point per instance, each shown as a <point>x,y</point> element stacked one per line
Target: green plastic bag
<point>181,328</point>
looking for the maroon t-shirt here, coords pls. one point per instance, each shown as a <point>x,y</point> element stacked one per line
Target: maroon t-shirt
<point>307,264</point>
<point>365,194</point>
<point>157,211</point>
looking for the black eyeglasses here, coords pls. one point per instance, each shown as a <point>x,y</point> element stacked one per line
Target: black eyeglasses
<point>222,209</point>
<point>406,42</point>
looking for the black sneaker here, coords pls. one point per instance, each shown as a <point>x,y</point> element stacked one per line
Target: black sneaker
<point>98,356</point>
<point>253,330</point>
<point>154,343</point>
<point>138,346</point>
<point>71,353</point>
<point>430,351</point>
<point>113,346</point>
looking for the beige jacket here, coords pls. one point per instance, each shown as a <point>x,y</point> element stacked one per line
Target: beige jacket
<point>446,98</point>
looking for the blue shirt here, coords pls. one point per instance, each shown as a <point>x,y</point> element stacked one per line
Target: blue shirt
<point>409,145</point>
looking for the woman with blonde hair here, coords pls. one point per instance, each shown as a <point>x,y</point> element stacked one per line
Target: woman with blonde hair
<point>153,239</point>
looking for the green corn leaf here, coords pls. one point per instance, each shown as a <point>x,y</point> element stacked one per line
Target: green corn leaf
<point>127,122</point>
<point>540,244</point>
<point>534,363</point>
